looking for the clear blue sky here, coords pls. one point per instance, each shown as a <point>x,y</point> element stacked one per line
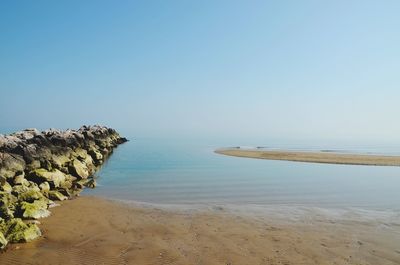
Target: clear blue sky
<point>274,69</point>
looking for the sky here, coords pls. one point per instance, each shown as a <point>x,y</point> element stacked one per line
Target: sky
<point>326,70</point>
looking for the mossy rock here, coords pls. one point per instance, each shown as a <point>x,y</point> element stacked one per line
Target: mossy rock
<point>2,225</point>
<point>6,187</point>
<point>91,183</point>
<point>79,169</point>
<point>33,165</point>
<point>10,164</point>
<point>96,155</point>
<point>46,164</point>
<point>80,153</point>
<point>3,180</point>
<point>17,231</point>
<point>7,205</point>
<point>56,196</point>
<point>31,195</point>
<point>3,241</point>
<point>75,191</point>
<point>34,210</point>
<point>65,192</point>
<point>59,161</point>
<point>90,165</point>
<point>20,180</point>
<point>66,185</point>
<point>55,177</point>
<point>7,212</point>
<point>20,189</point>
<point>44,187</point>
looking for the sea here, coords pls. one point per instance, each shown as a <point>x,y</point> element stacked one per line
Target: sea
<point>189,173</point>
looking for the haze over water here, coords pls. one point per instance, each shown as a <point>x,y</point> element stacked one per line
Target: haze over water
<point>189,172</point>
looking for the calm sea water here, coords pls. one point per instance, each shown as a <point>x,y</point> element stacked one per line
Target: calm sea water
<point>189,172</point>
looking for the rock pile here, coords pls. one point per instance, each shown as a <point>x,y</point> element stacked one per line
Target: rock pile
<point>38,168</point>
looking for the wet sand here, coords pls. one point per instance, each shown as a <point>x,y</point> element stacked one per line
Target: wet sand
<point>314,157</point>
<point>90,230</point>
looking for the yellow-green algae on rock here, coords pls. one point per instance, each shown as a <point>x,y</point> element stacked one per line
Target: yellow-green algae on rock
<point>38,168</point>
<point>18,231</point>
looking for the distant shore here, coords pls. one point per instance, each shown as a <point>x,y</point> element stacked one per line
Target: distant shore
<point>91,230</point>
<point>314,157</point>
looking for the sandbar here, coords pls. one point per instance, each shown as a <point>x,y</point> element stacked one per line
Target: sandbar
<point>314,157</point>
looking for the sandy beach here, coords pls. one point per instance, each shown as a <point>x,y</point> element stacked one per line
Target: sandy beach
<point>314,157</point>
<point>91,230</point>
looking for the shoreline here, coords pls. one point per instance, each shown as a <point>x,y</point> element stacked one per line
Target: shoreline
<point>314,157</point>
<point>94,230</point>
<point>273,211</point>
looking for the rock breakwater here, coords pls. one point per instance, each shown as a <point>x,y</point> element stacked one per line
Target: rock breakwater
<point>39,168</point>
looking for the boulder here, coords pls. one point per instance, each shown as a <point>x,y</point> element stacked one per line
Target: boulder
<point>6,187</point>
<point>56,196</point>
<point>44,187</point>
<point>3,241</point>
<point>79,169</point>
<point>31,195</point>
<point>9,142</point>
<point>27,134</point>
<point>34,210</point>
<point>96,155</point>
<point>91,183</point>
<point>54,178</point>
<point>20,180</point>
<point>10,164</point>
<point>3,180</point>
<point>33,165</point>
<point>17,231</point>
<point>66,185</point>
<point>105,152</point>
<point>20,189</point>
<point>59,161</point>
<point>80,153</point>
<point>7,205</point>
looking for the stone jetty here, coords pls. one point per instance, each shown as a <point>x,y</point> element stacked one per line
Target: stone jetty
<point>39,168</point>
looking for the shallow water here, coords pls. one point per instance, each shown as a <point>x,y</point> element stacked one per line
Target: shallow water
<point>189,172</point>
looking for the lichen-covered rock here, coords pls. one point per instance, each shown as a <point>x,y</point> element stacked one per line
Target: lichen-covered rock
<point>7,205</point>
<point>19,189</point>
<point>34,210</point>
<point>79,169</point>
<point>17,231</point>
<point>91,183</point>
<point>3,180</point>
<point>33,165</point>
<point>57,196</point>
<point>6,187</point>
<point>80,153</point>
<point>44,187</point>
<point>54,178</point>
<point>20,180</point>
<point>2,225</point>
<point>32,194</point>
<point>59,161</point>
<point>95,154</point>
<point>65,188</point>
<point>10,164</point>
<point>3,241</point>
